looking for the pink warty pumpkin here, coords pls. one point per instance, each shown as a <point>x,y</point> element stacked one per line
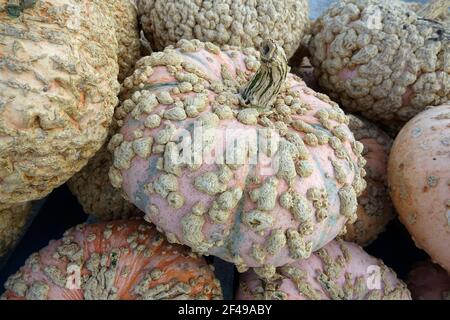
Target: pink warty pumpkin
<point>124,259</point>
<point>234,157</point>
<point>339,271</point>
<point>419,181</point>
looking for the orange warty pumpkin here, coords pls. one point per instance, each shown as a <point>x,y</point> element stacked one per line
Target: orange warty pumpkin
<point>124,259</point>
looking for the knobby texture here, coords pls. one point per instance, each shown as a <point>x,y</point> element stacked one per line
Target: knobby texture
<point>293,200</point>
<point>58,88</point>
<point>94,191</point>
<point>225,22</point>
<point>339,271</point>
<point>381,59</point>
<point>13,220</point>
<point>375,208</point>
<point>124,259</point>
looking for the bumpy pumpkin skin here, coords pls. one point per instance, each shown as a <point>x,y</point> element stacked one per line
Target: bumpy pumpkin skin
<point>58,90</point>
<point>225,22</point>
<point>93,190</point>
<point>91,185</point>
<point>375,208</point>
<point>419,181</point>
<point>13,219</point>
<point>124,259</point>
<point>379,58</point>
<point>339,271</point>
<point>127,33</point>
<point>250,214</point>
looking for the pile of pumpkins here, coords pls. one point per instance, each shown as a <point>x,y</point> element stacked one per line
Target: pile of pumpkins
<point>180,127</point>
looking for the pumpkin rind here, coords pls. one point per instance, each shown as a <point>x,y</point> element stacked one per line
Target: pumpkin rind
<point>124,259</point>
<point>94,191</point>
<point>382,59</point>
<point>127,33</point>
<point>428,281</point>
<point>419,181</point>
<point>225,22</point>
<point>375,208</point>
<point>58,88</point>
<point>13,220</point>
<point>339,271</point>
<point>250,214</point>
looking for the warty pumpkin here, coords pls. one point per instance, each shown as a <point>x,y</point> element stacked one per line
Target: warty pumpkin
<point>13,220</point>
<point>289,201</point>
<point>375,208</point>
<point>124,259</point>
<point>225,22</point>
<point>339,271</point>
<point>419,181</point>
<point>382,59</point>
<point>58,87</point>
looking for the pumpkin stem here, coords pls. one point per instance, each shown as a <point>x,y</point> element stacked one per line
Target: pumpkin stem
<point>15,7</point>
<point>264,86</point>
<point>433,9</point>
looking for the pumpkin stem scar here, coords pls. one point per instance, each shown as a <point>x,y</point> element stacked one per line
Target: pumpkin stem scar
<point>262,89</point>
<point>15,7</point>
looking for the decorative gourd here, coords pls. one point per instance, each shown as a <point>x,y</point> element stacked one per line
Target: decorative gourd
<point>94,191</point>
<point>382,59</point>
<point>269,210</point>
<point>339,271</point>
<point>124,259</point>
<point>58,87</point>
<point>13,220</point>
<point>225,22</point>
<point>419,181</point>
<point>375,208</point>
<point>428,281</point>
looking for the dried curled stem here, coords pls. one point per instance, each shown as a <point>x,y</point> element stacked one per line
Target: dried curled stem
<point>261,91</point>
